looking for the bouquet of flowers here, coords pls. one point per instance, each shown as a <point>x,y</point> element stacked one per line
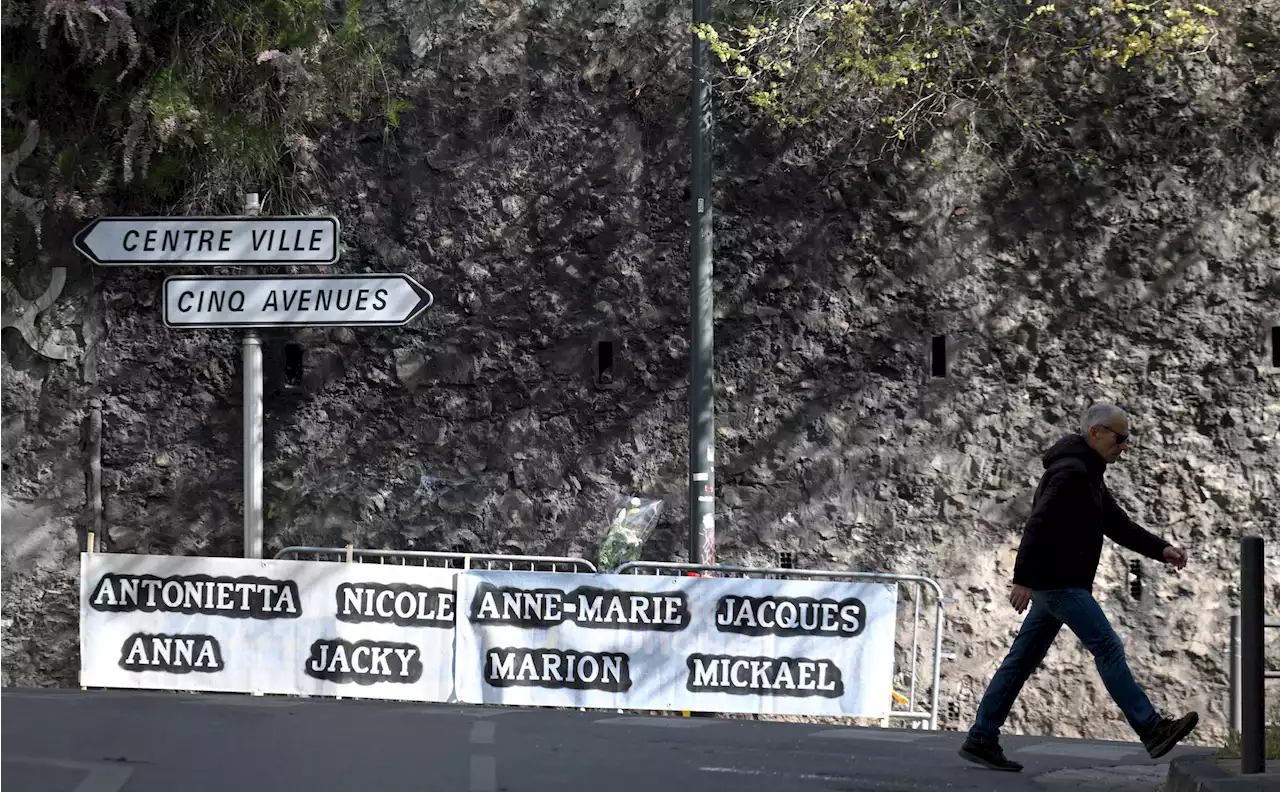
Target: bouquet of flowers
<point>633,521</point>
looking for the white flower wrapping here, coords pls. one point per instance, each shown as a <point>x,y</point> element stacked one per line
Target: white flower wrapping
<point>629,530</point>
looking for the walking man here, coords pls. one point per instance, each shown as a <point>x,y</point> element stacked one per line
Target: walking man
<point>1057,560</point>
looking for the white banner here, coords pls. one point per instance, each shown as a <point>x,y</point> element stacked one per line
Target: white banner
<point>651,642</point>
<point>265,626</point>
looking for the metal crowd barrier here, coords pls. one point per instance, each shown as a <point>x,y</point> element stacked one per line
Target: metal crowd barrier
<point>352,554</point>
<point>911,714</point>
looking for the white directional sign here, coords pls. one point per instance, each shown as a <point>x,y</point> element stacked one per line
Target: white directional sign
<point>292,300</point>
<point>211,241</point>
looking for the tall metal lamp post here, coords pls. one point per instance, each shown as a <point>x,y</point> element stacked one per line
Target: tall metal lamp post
<point>702,531</point>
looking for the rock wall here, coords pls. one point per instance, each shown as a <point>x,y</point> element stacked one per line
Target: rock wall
<point>539,189</point>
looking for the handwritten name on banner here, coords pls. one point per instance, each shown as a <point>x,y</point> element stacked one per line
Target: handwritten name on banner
<point>675,643</point>
<point>414,633</point>
<point>266,626</point>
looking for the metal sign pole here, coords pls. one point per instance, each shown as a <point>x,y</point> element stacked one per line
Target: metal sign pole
<point>251,358</point>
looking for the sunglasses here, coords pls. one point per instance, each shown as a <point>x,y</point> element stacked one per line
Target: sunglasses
<point>1121,439</point>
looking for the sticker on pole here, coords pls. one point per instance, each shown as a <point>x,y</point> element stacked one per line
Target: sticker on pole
<point>212,301</point>
<point>209,241</point>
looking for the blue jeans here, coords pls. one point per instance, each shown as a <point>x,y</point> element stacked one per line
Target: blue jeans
<point>1076,608</point>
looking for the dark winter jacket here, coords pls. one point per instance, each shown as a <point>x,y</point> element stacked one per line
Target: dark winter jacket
<point>1071,512</point>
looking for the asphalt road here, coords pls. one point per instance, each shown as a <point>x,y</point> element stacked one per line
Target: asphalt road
<point>116,741</point>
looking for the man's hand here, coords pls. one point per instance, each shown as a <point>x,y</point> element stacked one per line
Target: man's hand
<point>1175,556</point>
<point>1019,597</point>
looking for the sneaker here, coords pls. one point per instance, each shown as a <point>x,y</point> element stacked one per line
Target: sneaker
<point>988,754</point>
<point>1167,732</point>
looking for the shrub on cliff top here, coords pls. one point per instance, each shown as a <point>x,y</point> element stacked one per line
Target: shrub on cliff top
<point>179,105</point>
<point>1022,73</point>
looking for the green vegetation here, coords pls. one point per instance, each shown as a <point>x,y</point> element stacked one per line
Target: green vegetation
<point>181,105</point>
<point>1019,70</point>
<point>1232,750</point>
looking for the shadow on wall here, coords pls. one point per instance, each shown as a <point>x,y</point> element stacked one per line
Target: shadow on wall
<point>832,276</point>
<point>890,251</point>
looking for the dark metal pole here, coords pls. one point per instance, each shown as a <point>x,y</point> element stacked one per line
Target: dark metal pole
<point>93,481</point>
<point>702,530</point>
<point>1252,726</point>
<point>1233,675</point>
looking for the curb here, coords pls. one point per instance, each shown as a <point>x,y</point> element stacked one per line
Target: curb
<point>1204,774</point>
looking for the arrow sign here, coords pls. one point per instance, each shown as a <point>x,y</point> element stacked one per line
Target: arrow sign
<point>172,241</point>
<point>292,300</point>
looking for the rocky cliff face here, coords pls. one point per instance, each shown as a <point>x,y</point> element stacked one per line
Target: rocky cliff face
<point>539,190</point>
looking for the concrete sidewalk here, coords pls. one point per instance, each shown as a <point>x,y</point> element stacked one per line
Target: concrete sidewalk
<point>1206,774</point>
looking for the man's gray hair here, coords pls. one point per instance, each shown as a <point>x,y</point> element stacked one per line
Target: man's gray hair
<point>1099,415</point>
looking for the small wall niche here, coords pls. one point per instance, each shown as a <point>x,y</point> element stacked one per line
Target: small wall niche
<point>1267,349</point>
<point>938,356</point>
<point>1135,580</point>
<point>604,362</point>
<point>606,354</point>
<point>294,365</point>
